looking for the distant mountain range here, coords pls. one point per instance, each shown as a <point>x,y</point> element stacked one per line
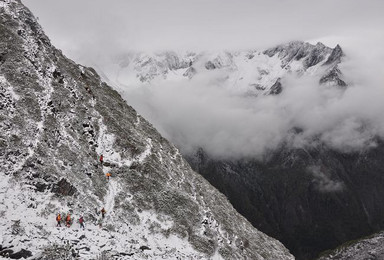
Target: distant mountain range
<point>253,72</point>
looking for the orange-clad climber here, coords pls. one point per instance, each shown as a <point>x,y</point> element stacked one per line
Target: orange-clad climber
<point>58,219</point>
<point>68,220</point>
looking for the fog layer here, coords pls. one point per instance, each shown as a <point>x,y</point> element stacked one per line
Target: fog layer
<point>205,113</point>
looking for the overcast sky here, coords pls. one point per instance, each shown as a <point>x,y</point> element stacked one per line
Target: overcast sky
<point>93,25</point>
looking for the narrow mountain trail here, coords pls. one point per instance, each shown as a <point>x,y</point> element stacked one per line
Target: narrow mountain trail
<point>109,200</point>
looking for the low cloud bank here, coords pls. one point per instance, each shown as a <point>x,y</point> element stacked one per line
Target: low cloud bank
<point>206,113</point>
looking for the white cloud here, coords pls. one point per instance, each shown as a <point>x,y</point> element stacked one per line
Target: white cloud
<point>324,182</point>
<point>205,112</point>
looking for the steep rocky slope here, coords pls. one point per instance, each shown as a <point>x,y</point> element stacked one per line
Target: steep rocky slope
<point>56,118</point>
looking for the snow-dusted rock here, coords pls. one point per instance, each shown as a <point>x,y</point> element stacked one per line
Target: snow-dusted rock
<point>56,118</point>
<point>371,247</point>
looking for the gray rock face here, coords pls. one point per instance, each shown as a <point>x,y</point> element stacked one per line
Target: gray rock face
<point>277,88</point>
<point>336,55</point>
<point>56,118</point>
<point>310,54</point>
<point>367,248</point>
<point>333,77</point>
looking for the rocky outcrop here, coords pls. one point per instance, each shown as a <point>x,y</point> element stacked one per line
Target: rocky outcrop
<point>371,247</point>
<point>10,254</point>
<point>333,77</point>
<point>56,119</point>
<point>276,88</point>
<point>336,55</point>
<point>311,55</point>
<point>63,187</point>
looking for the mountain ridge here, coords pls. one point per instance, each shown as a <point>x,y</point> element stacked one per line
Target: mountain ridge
<point>254,72</point>
<point>57,117</point>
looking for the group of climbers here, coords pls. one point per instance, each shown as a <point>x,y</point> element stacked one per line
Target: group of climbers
<point>68,220</point>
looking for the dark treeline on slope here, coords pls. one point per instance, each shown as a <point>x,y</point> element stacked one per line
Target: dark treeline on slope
<point>311,200</point>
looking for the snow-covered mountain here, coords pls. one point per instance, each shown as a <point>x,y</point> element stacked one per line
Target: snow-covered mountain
<point>56,119</point>
<point>252,72</point>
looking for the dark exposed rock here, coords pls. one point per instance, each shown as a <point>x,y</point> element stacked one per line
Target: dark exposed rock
<point>297,50</point>
<point>6,252</point>
<point>21,254</point>
<point>210,65</point>
<point>333,77</point>
<point>315,56</point>
<point>142,248</point>
<point>126,254</point>
<point>276,88</point>
<point>336,55</point>
<point>134,165</point>
<point>287,51</point>
<point>41,187</point>
<point>110,164</point>
<point>63,187</point>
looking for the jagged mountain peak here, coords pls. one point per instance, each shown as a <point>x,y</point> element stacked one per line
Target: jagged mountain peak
<point>298,50</point>
<point>56,119</point>
<point>336,55</point>
<point>248,72</point>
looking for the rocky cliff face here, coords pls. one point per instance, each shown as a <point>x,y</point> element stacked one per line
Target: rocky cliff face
<point>56,118</point>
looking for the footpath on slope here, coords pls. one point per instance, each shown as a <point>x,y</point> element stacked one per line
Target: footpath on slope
<point>109,199</point>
